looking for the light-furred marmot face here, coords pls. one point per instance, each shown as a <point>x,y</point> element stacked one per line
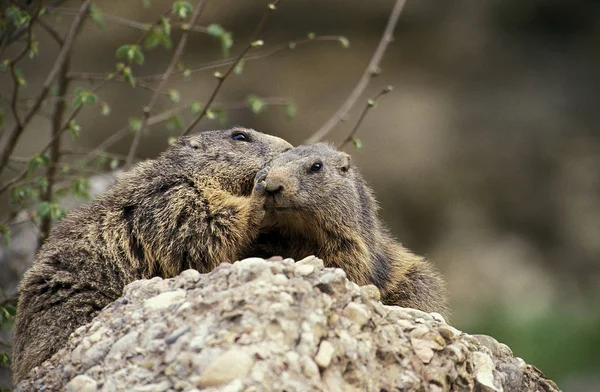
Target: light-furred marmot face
<point>233,156</point>
<point>308,179</point>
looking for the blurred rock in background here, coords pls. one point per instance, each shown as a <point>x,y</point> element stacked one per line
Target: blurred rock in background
<point>485,157</point>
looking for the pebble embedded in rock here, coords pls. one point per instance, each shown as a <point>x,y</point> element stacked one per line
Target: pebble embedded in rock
<point>484,372</point>
<point>305,269</point>
<point>164,300</point>
<point>325,354</point>
<point>357,313</point>
<point>82,383</point>
<point>228,366</point>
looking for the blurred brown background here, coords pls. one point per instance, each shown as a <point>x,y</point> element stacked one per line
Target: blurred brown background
<point>485,157</point>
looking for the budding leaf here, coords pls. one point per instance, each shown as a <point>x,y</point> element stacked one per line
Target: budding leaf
<point>356,142</point>
<point>290,110</point>
<point>215,30</point>
<point>105,109</point>
<point>43,209</point>
<point>5,232</point>
<point>256,103</point>
<point>182,9</point>
<point>196,107</point>
<point>135,124</point>
<point>96,16</point>
<point>174,95</point>
<point>344,41</point>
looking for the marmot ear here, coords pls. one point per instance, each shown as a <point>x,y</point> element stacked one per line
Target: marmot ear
<point>345,162</point>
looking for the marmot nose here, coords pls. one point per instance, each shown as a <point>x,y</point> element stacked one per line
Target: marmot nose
<point>274,187</point>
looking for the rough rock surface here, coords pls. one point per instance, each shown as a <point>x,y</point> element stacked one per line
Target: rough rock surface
<point>259,325</point>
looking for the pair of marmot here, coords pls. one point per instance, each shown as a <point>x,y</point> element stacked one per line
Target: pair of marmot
<point>202,202</point>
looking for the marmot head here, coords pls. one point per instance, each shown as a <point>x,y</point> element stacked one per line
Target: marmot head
<point>312,181</point>
<point>232,157</point>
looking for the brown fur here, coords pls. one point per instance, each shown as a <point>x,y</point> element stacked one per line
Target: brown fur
<point>332,213</point>
<point>192,207</point>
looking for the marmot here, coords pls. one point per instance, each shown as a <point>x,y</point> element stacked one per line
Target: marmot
<point>318,203</point>
<point>192,207</point>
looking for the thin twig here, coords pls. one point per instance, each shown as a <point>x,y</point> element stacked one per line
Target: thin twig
<point>57,121</point>
<point>203,67</point>
<point>174,60</point>
<point>10,138</point>
<point>53,33</point>
<point>221,78</point>
<point>370,105</point>
<point>364,80</point>
<point>13,68</point>
<point>132,23</point>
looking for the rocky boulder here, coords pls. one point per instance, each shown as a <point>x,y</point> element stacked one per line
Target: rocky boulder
<point>259,325</point>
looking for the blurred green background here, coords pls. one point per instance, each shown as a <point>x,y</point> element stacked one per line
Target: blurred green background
<point>485,157</point>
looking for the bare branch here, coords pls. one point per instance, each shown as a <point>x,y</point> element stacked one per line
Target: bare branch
<point>51,32</point>
<point>174,60</point>
<point>207,66</point>
<point>132,23</point>
<point>370,105</point>
<point>57,129</point>
<point>221,79</point>
<point>364,80</point>
<point>9,139</point>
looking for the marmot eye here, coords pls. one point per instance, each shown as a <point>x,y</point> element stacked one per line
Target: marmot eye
<point>240,136</point>
<point>316,167</point>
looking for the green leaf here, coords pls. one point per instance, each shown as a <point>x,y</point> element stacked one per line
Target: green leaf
<point>43,209</point>
<point>96,16</point>
<point>84,97</point>
<point>81,187</point>
<point>5,232</point>
<point>174,123</point>
<point>75,129</point>
<point>344,41</point>
<point>221,116</point>
<point>38,161</point>
<point>128,75</point>
<point>114,163</point>
<point>41,183</point>
<point>57,212</point>
<point>290,110</point>
<point>215,30</point>
<point>131,52</point>
<point>239,67</point>
<point>196,107</point>
<point>171,140</point>
<point>356,142</point>
<point>18,17</point>
<point>33,49</point>
<point>165,24</point>
<point>174,95</point>
<point>226,43</point>
<point>256,103</point>
<point>159,35</point>
<point>182,9</point>
<point>311,35</point>
<point>19,77</point>
<point>105,109</point>
<point>371,103</point>
<point>135,124</point>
